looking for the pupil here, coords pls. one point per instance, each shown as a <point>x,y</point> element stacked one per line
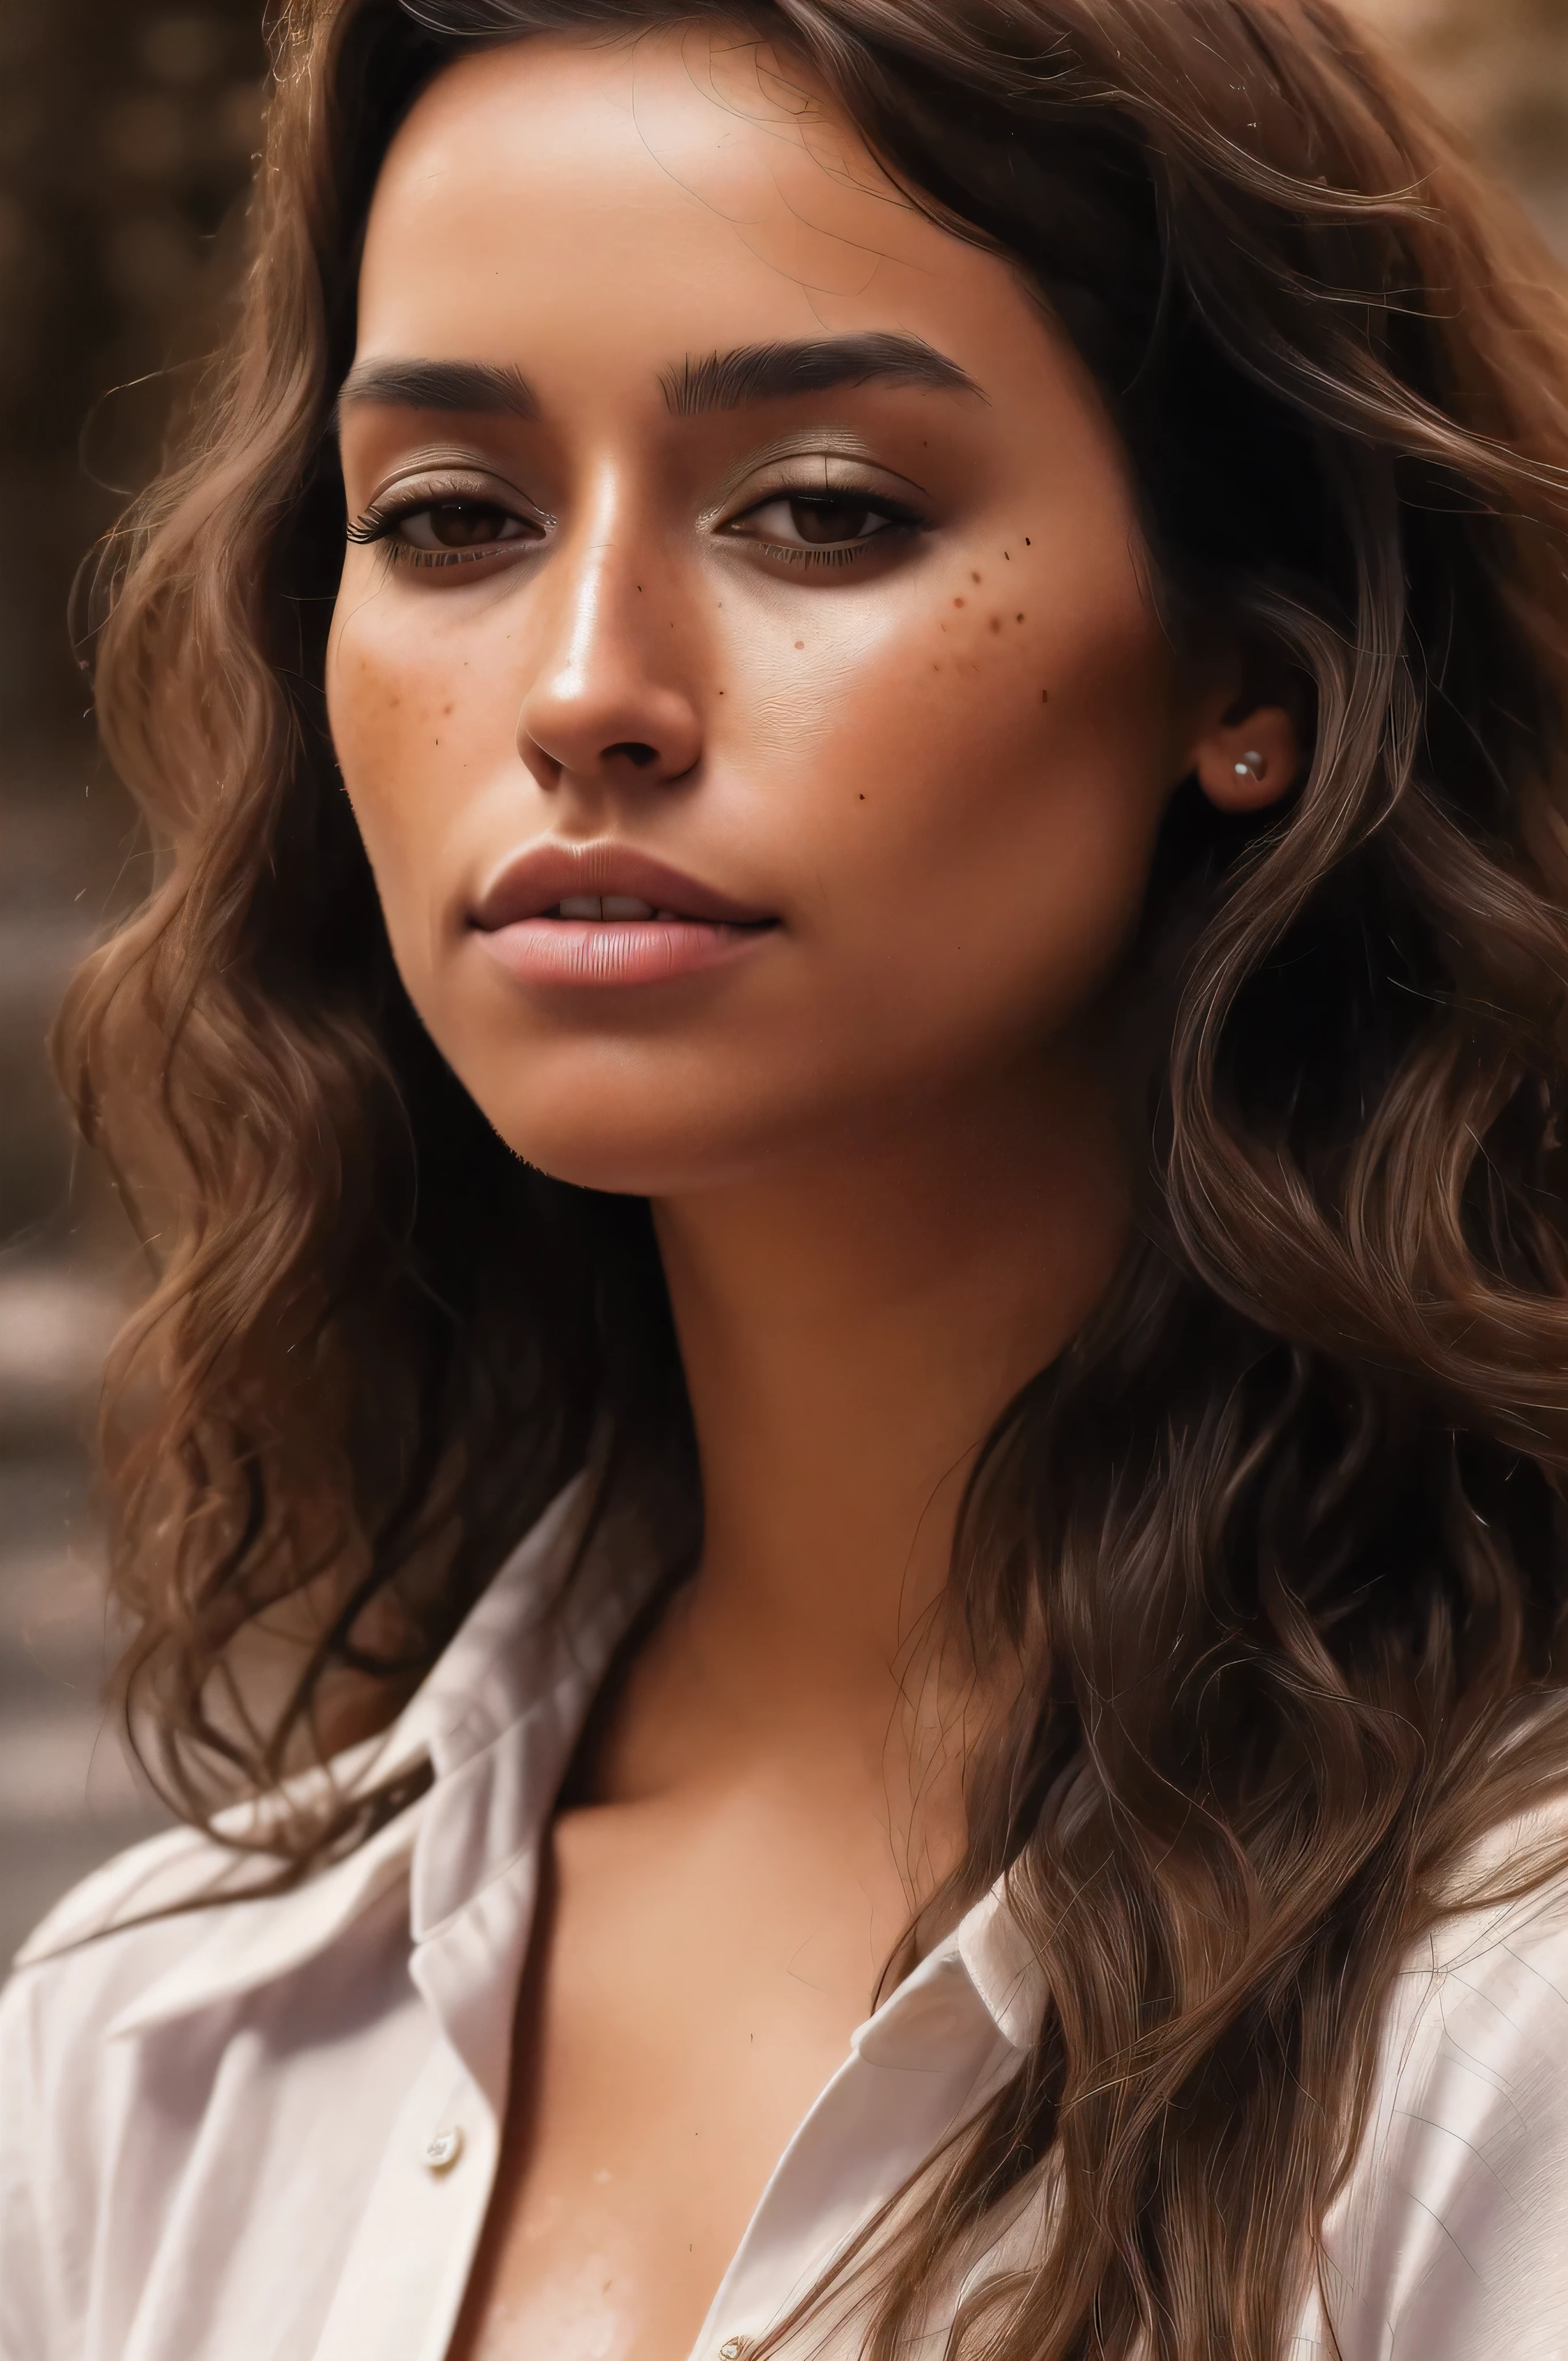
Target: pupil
<point>459,524</point>
<point>824,520</point>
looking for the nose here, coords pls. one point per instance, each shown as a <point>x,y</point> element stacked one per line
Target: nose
<point>610,699</point>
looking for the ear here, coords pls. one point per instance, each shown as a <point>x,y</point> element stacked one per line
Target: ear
<point>1243,764</point>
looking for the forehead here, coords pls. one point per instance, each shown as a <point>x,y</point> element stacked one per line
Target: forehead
<point>681,191</point>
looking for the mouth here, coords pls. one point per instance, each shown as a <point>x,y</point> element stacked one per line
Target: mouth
<point>603,914</point>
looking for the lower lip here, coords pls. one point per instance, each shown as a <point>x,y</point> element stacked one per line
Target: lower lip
<point>599,951</point>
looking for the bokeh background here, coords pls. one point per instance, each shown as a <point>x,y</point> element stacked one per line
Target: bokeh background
<point>126,134</point>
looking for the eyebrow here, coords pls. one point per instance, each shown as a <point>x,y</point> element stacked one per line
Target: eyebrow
<point>720,381</point>
<point>479,388</point>
<point>772,372</point>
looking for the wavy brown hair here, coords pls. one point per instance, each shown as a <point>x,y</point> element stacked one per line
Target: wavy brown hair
<point>1277,1546</point>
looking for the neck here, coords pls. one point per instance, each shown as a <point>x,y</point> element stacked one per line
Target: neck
<point>851,1329</point>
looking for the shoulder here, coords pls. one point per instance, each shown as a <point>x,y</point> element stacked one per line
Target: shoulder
<point>118,2043</point>
<point>1449,2240</point>
<point>177,1925</point>
<point>161,1872</point>
<point>96,1951</point>
<point>187,1919</point>
<point>107,1941</point>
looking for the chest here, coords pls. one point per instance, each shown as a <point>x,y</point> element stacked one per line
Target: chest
<point>693,1984</point>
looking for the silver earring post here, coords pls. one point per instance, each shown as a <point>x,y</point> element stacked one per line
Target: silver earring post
<point>1252,766</point>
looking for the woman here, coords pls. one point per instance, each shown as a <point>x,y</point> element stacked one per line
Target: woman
<point>844,1487</point>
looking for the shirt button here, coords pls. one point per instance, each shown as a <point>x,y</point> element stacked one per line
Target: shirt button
<point>442,2148</point>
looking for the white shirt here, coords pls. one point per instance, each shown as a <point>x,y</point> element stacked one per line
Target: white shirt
<point>266,2130</point>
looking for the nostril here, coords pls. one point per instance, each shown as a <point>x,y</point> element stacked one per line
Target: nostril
<point>634,751</point>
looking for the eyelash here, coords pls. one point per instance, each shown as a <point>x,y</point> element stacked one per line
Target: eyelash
<point>379,523</point>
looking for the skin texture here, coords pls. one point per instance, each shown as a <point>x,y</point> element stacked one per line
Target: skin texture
<point>884,1152</point>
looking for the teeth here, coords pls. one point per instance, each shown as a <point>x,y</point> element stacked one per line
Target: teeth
<point>608,906</point>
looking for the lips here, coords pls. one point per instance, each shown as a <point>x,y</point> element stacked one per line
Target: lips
<point>565,882</point>
<point>604,915</point>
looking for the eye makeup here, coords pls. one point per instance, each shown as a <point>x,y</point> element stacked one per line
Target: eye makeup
<point>809,517</point>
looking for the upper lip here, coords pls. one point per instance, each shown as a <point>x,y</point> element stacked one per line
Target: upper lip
<point>535,881</point>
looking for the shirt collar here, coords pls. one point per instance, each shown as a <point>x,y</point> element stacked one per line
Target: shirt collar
<point>523,1666</point>
<point>497,1718</point>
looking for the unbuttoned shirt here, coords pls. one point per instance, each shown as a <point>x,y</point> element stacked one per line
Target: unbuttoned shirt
<point>267,2129</point>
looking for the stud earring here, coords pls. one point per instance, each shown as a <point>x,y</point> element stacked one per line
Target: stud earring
<point>1252,766</point>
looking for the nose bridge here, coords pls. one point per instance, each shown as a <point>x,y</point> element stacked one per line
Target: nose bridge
<point>598,549</point>
<point>610,680</point>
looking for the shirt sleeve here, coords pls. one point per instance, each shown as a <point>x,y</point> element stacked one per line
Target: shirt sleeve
<point>1450,2242</point>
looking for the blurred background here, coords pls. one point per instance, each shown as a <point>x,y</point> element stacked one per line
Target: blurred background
<point>126,134</point>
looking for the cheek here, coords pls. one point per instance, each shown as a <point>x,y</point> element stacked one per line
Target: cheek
<point>407,730</point>
<point>977,786</point>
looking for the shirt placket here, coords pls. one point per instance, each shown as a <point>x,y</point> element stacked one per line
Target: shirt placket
<point>928,2057</point>
<point>404,2276</point>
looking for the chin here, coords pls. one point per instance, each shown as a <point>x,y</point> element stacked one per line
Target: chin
<point>623,1155</point>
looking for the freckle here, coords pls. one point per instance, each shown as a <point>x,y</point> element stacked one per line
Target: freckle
<point>996,622</point>
<point>1045,697</point>
<point>974,578</point>
<point>1026,541</point>
<point>957,603</point>
<point>1017,618</point>
<point>800,643</point>
<point>862,799</point>
<point>446,708</point>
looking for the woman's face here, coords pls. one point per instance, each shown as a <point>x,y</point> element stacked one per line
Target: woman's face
<point>744,671</point>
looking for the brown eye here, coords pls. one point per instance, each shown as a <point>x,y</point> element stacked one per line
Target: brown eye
<point>822,520</point>
<point>828,524</point>
<point>462,524</point>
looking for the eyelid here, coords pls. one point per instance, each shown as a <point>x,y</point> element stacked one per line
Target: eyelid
<point>432,481</point>
<point>766,475</point>
<point>812,443</point>
<point>721,525</point>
